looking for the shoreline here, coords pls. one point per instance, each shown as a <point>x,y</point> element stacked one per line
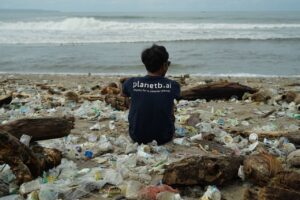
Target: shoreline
<point>238,75</point>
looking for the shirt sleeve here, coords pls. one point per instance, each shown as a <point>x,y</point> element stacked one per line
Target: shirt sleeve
<point>176,90</point>
<point>125,88</point>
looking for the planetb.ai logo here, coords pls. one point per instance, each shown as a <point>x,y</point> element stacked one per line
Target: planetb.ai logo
<point>142,85</point>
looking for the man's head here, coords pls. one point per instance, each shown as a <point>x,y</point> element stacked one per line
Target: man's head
<point>155,59</point>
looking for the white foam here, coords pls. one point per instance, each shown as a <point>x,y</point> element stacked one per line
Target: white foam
<point>91,30</point>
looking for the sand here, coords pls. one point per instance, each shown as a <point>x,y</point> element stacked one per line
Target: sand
<point>229,111</point>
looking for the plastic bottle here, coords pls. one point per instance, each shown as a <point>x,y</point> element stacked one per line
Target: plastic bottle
<point>28,187</point>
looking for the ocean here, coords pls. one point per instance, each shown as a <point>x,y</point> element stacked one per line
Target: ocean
<point>202,43</point>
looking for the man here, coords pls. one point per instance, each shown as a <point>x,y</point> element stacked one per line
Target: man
<point>151,114</point>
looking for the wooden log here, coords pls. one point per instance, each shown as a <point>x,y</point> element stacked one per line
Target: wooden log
<point>91,97</point>
<point>292,136</point>
<point>117,102</point>
<point>5,100</point>
<point>24,162</point>
<point>261,168</point>
<point>217,90</point>
<point>287,180</point>
<point>271,193</point>
<point>293,159</point>
<point>40,128</point>
<point>204,170</point>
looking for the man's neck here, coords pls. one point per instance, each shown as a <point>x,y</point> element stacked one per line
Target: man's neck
<point>154,74</point>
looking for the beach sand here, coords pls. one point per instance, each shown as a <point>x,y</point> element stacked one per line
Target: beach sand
<point>230,111</point>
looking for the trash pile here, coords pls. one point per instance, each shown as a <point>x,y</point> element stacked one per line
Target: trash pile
<point>251,138</point>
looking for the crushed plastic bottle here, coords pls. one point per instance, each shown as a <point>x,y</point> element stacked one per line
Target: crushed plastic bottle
<point>28,187</point>
<point>48,193</point>
<point>25,139</point>
<point>181,141</point>
<point>180,131</point>
<point>143,151</point>
<point>296,116</point>
<point>197,137</point>
<point>221,122</point>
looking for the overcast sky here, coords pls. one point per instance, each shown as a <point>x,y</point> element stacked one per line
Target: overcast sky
<point>152,5</point>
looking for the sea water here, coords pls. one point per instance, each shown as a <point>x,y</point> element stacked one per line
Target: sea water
<point>200,43</point>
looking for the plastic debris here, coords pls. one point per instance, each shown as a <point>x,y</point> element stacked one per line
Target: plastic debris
<point>253,137</point>
<point>241,172</point>
<point>95,127</point>
<point>25,139</point>
<point>151,192</point>
<point>197,137</point>
<point>28,187</point>
<point>212,193</point>
<point>132,189</point>
<point>181,141</point>
<point>113,177</point>
<point>88,154</point>
<point>129,166</point>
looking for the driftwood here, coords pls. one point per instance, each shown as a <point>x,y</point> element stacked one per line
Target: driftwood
<point>261,168</point>
<point>40,128</point>
<point>260,96</point>
<point>217,90</point>
<point>287,179</point>
<point>204,170</point>
<point>5,100</point>
<point>292,136</point>
<point>24,162</point>
<point>266,171</point>
<point>293,158</point>
<point>91,97</point>
<point>271,193</point>
<point>117,102</point>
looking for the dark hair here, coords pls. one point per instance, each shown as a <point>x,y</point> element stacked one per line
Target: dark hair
<point>154,57</point>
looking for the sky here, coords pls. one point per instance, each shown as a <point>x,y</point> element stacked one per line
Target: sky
<point>152,5</point>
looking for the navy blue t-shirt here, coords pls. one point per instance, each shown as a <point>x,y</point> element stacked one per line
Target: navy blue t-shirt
<point>151,109</point>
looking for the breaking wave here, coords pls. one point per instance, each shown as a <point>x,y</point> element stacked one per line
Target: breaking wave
<point>93,30</point>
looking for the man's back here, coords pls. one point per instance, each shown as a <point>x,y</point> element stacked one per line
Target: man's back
<point>151,111</point>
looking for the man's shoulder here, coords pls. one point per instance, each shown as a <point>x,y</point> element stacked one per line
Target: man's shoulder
<point>172,81</point>
<point>130,80</point>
